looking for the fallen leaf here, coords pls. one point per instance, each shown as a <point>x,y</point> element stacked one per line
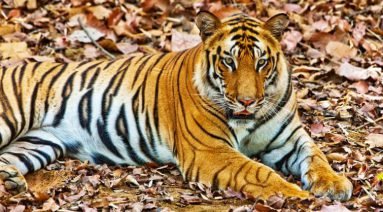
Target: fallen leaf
<point>187,199</point>
<point>181,40</point>
<point>100,12</point>
<point>291,39</point>
<point>335,156</point>
<point>18,208</point>
<point>352,72</point>
<point>359,31</point>
<point>50,205</point>
<point>91,52</point>
<point>137,207</point>
<point>340,50</point>
<point>7,29</point>
<point>360,86</point>
<point>127,48</point>
<point>375,140</point>
<point>81,36</point>
<point>16,50</point>
<point>74,198</point>
<point>338,207</point>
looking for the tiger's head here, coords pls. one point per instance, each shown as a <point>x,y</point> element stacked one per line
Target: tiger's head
<point>241,62</point>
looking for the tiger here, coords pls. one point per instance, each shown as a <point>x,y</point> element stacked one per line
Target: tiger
<point>209,110</point>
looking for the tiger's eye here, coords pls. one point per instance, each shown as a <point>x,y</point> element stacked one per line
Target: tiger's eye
<point>261,62</point>
<point>228,60</point>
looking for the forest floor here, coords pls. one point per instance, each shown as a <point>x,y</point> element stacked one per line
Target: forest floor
<point>335,49</point>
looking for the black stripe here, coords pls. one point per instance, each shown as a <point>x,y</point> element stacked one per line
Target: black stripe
<point>33,105</point>
<point>209,80</point>
<point>281,129</point>
<point>85,110</point>
<point>276,136</point>
<point>84,74</point>
<point>52,81</point>
<point>211,134</point>
<point>235,30</point>
<point>43,154</point>
<point>281,104</point>
<point>140,67</point>
<point>245,29</point>
<point>24,159</point>
<point>36,140</point>
<point>94,78</point>
<point>65,95</point>
<point>124,135</point>
<point>19,99</point>
<point>12,128</point>
<point>106,101</point>
<point>102,159</point>
<point>298,153</point>
<point>143,144</point>
<point>109,64</point>
<point>125,70</point>
<point>105,138</point>
<point>42,164</point>
<point>215,179</point>
<point>284,159</point>
<point>36,65</point>
<point>254,39</point>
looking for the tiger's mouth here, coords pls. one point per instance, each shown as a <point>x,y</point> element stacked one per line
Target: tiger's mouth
<point>244,114</point>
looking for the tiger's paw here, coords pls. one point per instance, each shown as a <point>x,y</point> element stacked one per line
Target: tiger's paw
<point>275,186</point>
<point>328,183</point>
<point>13,181</point>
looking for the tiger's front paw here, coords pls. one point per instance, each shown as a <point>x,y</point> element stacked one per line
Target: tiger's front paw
<point>13,181</point>
<point>328,183</point>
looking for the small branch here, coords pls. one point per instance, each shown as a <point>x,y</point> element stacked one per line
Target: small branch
<point>374,34</point>
<point>374,122</point>
<point>111,56</point>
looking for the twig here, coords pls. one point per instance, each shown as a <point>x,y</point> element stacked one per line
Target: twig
<point>368,193</point>
<point>3,13</point>
<point>323,54</point>
<point>373,122</point>
<point>111,56</point>
<point>374,34</point>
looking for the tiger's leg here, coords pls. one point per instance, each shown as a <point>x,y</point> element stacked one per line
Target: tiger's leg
<point>221,166</point>
<point>299,156</point>
<point>29,153</point>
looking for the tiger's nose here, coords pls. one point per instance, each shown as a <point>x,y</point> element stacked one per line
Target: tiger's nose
<point>246,102</point>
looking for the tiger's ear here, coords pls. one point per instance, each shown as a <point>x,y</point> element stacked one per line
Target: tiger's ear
<point>207,23</point>
<point>277,24</point>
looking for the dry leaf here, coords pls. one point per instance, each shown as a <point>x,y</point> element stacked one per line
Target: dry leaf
<point>375,140</point>
<point>50,205</point>
<point>16,50</point>
<point>291,39</point>
<point>360,86</point>
<point>340,50</point>
<point>127,48</point>
<point>338,207</point>
<point>100,12</point>
<point>181,40</point>
<point>81,36</point>
<point>352,72</point>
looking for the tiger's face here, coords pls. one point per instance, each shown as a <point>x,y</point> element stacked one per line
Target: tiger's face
<point>241,55</point>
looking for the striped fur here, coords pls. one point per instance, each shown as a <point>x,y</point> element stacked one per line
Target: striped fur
<point>207,109</point>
